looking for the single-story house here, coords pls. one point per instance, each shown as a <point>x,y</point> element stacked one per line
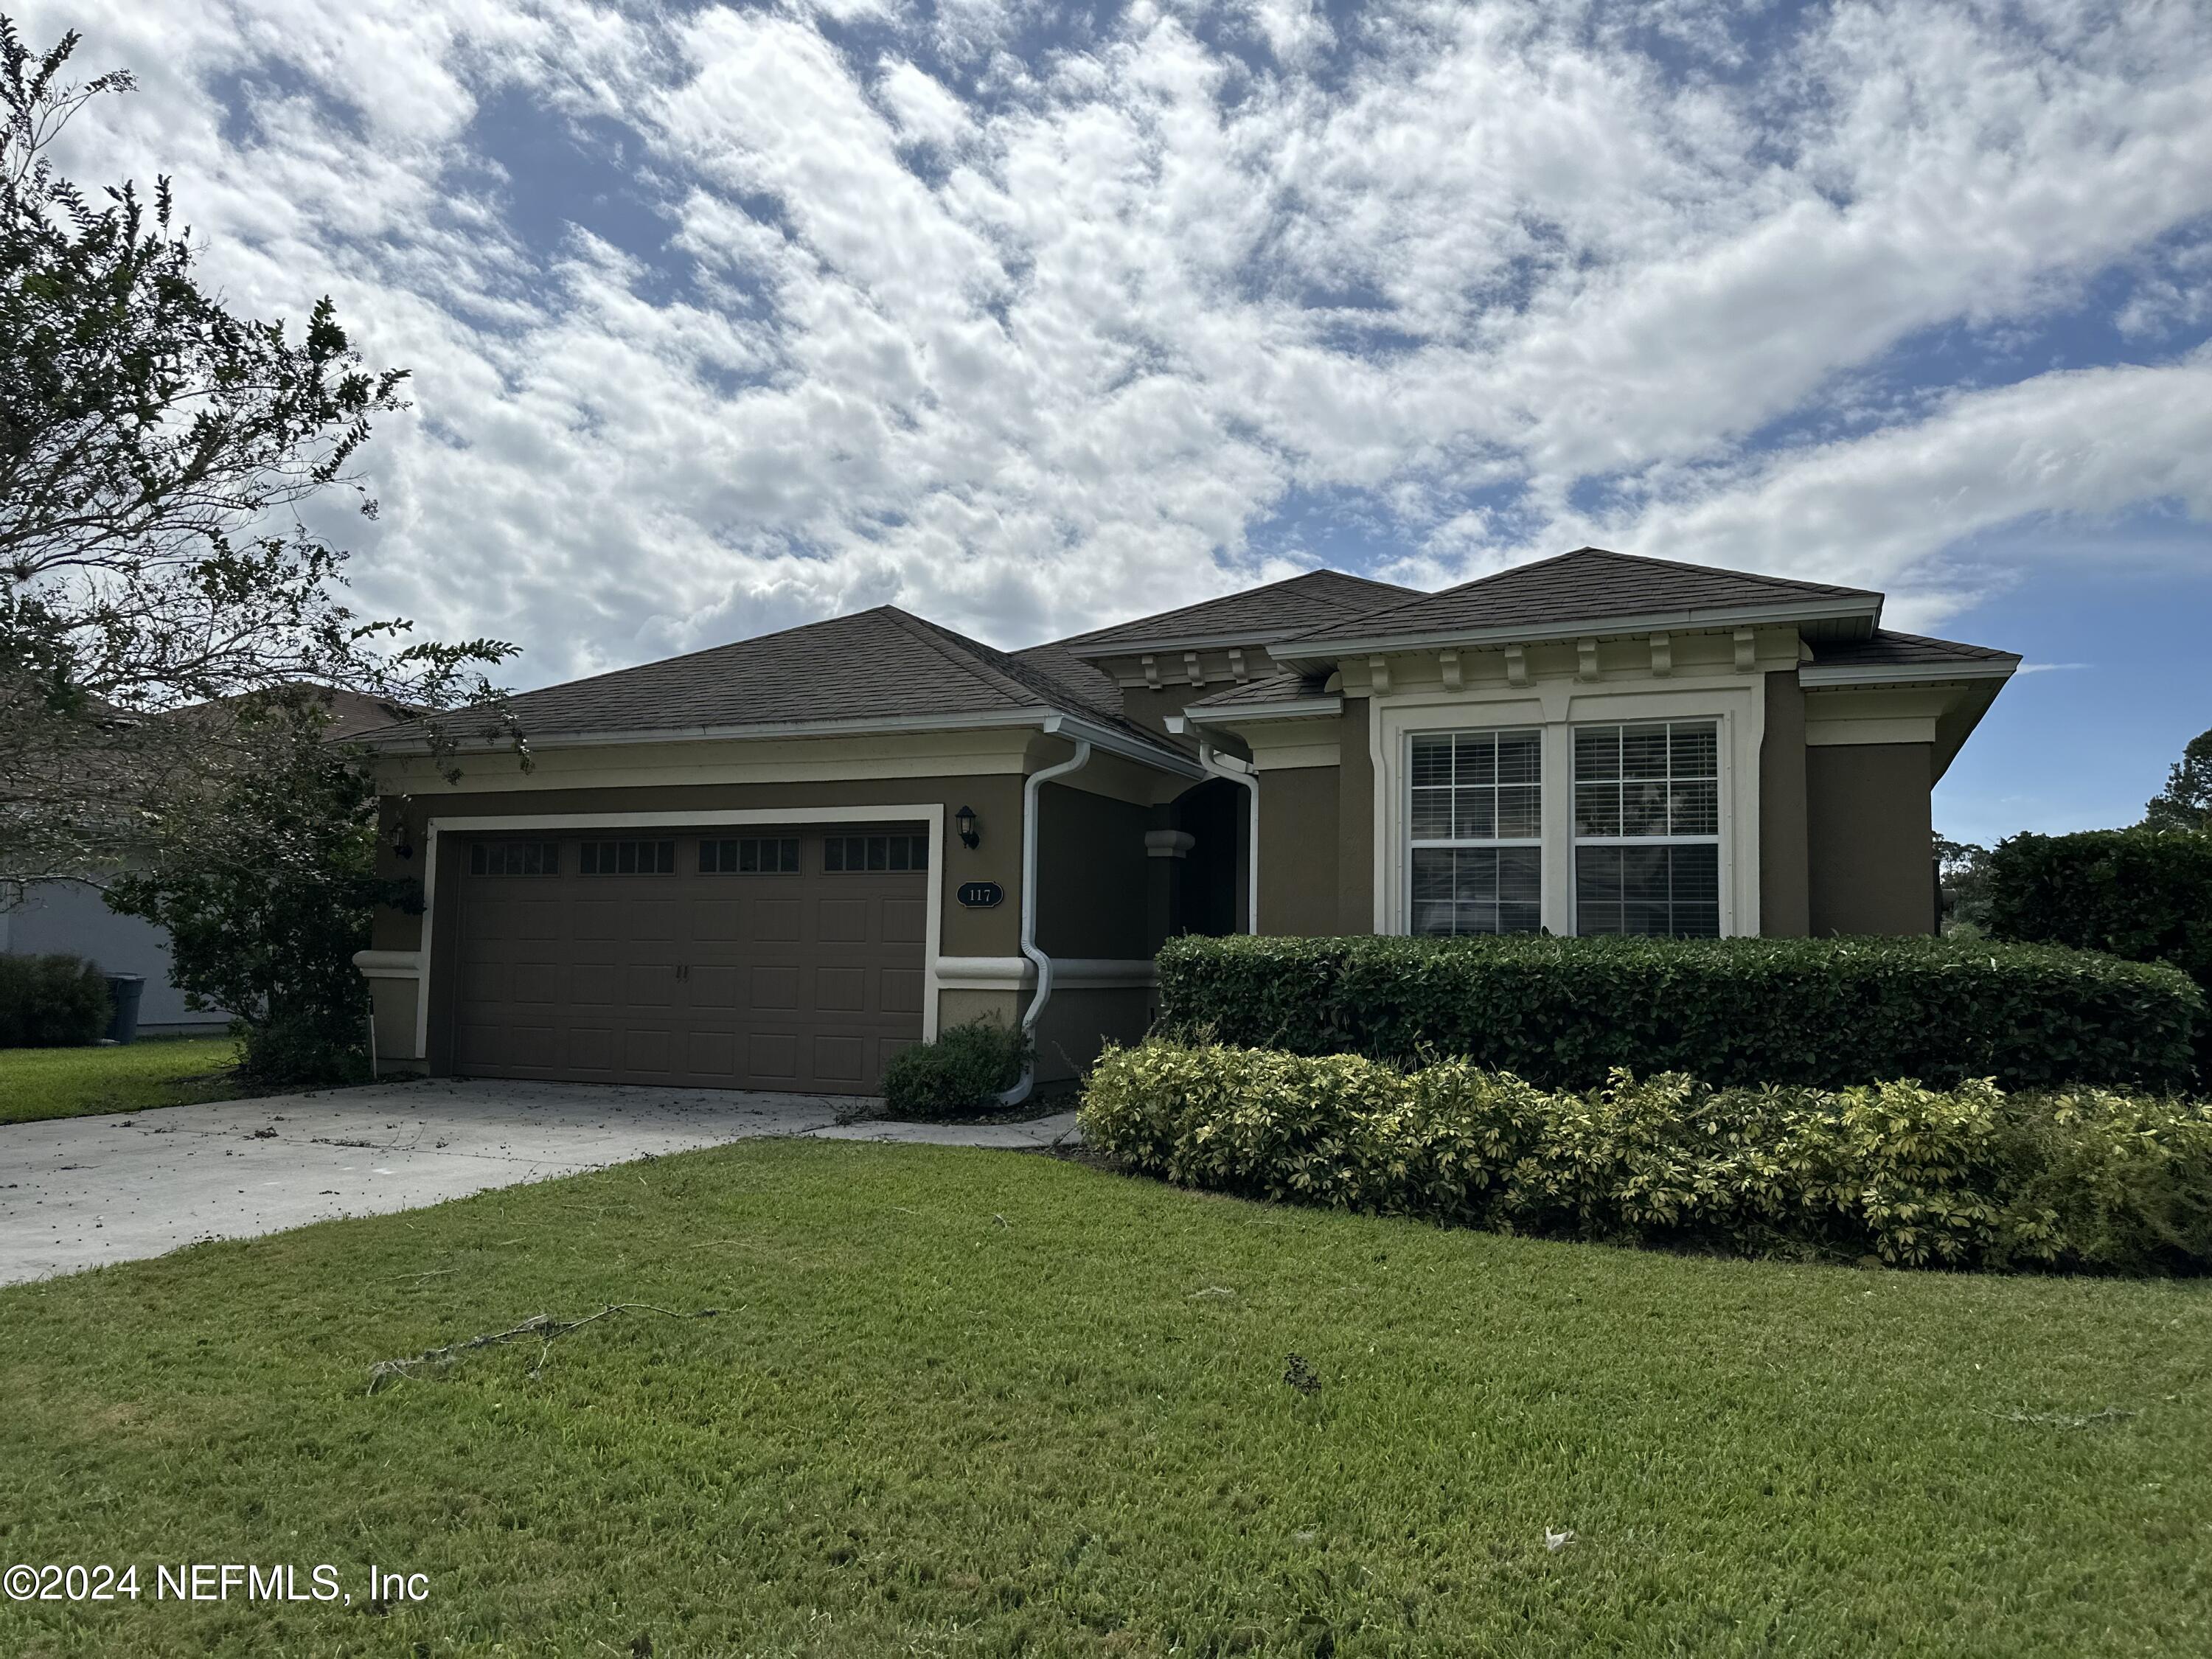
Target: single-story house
<point>772,864</point>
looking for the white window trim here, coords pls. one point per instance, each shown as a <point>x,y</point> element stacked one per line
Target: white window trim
<point>1737,703</point>
<point>931,813</point>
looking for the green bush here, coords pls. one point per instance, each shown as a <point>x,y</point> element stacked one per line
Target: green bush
<point>308,1048</point>
<point>961,1074</point>
<point>1565,1012</point>
<point>1968,1177</point>
<point>2142,894</point>
<point>52,1002</point>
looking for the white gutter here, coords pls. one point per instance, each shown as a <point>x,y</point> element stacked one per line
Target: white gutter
<point>1907,673</point>
<point>1041,962</point>
<point>1302,708</point>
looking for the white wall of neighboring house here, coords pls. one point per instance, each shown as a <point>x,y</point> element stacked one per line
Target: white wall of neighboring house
<point>70,917</point>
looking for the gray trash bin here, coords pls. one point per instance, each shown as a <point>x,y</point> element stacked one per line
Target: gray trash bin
<point>123,990</point>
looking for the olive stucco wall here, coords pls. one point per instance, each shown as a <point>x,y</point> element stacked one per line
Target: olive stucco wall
<point>1868,835</point>
<point>1317,836</point>
<point>1298,858</point>
<point>1093,887</point>
<point>1091,876</point>
<point>1784,852</point>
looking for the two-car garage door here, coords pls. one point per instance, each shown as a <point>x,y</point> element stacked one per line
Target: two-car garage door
<point>738,959</point>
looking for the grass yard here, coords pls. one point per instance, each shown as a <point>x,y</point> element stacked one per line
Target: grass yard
<point>42,1082</point>
<point>966,1403</point>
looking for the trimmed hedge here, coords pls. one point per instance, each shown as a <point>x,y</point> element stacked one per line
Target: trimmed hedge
<point>961,1074</point>
<point>2142,894</point>
<point>1564,1012</point>
<point>1971,1177</point>
<point>52,1002</point>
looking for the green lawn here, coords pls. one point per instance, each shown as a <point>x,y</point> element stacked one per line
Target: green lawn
<point>970,1403</point>
<point>40,1082</point>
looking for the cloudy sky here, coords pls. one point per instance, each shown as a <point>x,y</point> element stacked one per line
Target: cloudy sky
<point>1028,318</point>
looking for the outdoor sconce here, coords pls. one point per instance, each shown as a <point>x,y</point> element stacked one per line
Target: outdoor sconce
<point>964,820</point>
<point>402,842</point>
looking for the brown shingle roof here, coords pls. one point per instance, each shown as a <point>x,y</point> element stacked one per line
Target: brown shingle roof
<point>878,664</point>
<point>1885,649</point>
<point>1587,585</point>
<point>1284,687</point>
<point>1281,608</point>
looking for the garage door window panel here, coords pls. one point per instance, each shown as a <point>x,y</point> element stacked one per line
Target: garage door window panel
<point>860,855</point>
<point>629,858</point>
<point>750,855</point>
<point>515,858</point>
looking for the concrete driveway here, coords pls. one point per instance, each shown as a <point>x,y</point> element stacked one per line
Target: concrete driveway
<point>78,1192</point>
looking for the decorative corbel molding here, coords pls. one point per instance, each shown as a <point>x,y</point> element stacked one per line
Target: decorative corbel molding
<point>1378,674</point>
<point>1238,671</point>
<point>1168,843</point>
<point>1190,667</point>
<point>1448,666</point>
<point>1663,655</point>
<point>1586,659</point>
<point>1151,671</point>
<point>1746,650</point>
<point>1516,665</point>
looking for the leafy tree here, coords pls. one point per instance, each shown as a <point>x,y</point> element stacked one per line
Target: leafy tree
<point>266,886</point>
<point>2186,803</point>
<point>1964,868</point>
<point>156,454</point>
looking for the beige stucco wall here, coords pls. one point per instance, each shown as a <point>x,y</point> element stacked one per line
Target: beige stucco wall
<point>1869,826</point>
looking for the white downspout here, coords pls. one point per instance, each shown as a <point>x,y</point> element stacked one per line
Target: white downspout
<point>1240,772</point>
<point>1041,962</point>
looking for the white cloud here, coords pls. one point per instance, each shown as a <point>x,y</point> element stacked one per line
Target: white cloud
<point>1878,510</point>
<point>1029,342</point>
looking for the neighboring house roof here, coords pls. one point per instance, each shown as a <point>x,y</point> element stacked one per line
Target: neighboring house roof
<point>352,713</point>
<point>883,665</point>
<point>1294,606</point>
<point>1589,585</point>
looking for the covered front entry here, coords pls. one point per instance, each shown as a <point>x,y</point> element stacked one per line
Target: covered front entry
<point>748,957</point>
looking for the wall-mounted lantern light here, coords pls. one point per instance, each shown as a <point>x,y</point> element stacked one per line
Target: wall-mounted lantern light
<point>402,842</point>
<point>964,819</point>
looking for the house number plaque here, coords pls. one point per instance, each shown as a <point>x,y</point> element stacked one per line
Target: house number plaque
<point>981,894</point>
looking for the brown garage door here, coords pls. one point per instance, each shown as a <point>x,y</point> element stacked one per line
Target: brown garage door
<point>740,958</point>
